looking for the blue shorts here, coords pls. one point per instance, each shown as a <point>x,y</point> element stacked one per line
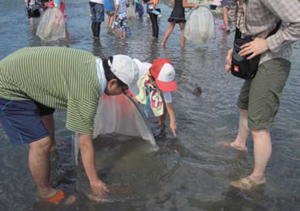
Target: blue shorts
<point>225,3</point>
<point>21,120</point>
<point>97,12</point>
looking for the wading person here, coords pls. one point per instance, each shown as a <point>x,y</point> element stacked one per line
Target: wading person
<point>225,6</point>
<point>120,18</point>
<point>177,16</point>
<point>33,8</point>
<point>36,81</point>
<point>154,8</point>
<point>259,98</point>
<point>97,12</point>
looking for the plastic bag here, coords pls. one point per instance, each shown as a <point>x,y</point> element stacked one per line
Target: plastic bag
<point>52,25</point>
<point>200,26</point>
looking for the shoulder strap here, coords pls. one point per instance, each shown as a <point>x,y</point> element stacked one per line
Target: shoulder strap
<point>238,34</point>
<point>275,29</point>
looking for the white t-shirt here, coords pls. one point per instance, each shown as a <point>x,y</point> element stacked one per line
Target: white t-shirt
<point>122,5</point>
<point>97,1</point>
<point>143,68</point>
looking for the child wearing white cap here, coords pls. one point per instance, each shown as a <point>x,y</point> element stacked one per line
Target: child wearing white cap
<point>156,82</point>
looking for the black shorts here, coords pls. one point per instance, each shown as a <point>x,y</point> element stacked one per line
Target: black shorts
<point>33,14</point>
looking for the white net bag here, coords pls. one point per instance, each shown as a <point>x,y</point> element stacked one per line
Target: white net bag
<point>52,25</point>
<point>200,26</point>
<point>118,114</point>
<point>131,10</point>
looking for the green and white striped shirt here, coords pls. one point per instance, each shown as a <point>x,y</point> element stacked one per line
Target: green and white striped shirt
<point>60,78</point>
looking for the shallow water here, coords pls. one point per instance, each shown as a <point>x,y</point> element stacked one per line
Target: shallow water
<point>191,172</point>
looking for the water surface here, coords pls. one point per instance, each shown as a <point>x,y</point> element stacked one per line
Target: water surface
<point>189,173</point>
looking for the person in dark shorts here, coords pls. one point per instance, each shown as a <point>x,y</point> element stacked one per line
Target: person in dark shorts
<point>225,5</point>
<point>33,8</point>
<point>177,16</point>
<point>31,87</point>
<point>97,12</point>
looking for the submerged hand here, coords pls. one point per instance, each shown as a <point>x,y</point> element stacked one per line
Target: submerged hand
<point>99,191</point>
<point>229,60</point>
<point>256,47</point>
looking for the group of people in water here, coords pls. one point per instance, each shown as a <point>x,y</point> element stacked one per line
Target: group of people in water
<point>117,16</point>
<point>31,87</point>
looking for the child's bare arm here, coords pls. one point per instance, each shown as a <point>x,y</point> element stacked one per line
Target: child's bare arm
<point>171,113</point>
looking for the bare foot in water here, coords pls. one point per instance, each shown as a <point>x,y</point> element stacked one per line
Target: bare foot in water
<point>163,44</point>
<point>248,183</point>
<point>235,146</point>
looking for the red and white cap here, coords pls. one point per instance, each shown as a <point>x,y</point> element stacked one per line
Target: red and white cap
<point>164,75</point>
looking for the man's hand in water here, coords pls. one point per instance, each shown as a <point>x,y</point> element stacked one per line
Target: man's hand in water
<point>99,191</point>
<point>173,128</point>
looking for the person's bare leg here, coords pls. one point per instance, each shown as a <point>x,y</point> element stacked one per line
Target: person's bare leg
<point>31,23</point>
<point>167,34</point>
<point>239,143</point>
<point>225,18</point>
<point>67,37</point>
<point>262,153</point>
<point>48,121</point>
<point>118,32</point>
<point>124,34</point>
<point>243,131</point>
<point>39,166</point>
<point>110,21</point>
<point>161,119</point>
<point>182,38</point>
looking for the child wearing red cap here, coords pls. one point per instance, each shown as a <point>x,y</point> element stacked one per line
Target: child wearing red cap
<point>156,82</point>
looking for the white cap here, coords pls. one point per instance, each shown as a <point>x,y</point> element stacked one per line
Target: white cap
<point>143,67</point>
<point>126,70</point>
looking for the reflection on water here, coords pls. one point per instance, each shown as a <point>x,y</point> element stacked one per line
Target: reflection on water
<point>191,172</point>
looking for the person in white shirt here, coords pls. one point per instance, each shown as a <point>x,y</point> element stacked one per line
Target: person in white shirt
<point>156,82</point>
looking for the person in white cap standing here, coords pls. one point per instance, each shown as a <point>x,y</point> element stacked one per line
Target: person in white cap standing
<point>156,82</point>
<point>32,86</point>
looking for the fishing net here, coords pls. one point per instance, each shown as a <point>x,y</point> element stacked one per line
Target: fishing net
<point>52,25</point>
<point>119,115</point>
<point>200,26</point>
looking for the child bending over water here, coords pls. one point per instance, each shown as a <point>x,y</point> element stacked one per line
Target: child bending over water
<point>156,82</point>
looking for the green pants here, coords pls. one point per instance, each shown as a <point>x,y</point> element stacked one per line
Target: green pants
<point>260,95</point>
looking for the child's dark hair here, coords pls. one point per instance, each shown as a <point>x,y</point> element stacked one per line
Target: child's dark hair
<point>110,75</point>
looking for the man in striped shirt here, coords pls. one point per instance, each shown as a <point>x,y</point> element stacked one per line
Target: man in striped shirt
<point>259,97</point>
<point>35,81</point>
